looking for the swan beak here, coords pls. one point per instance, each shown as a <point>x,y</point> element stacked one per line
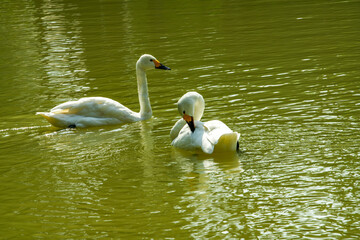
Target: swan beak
<point>190,121</point>
<point>158,65</point>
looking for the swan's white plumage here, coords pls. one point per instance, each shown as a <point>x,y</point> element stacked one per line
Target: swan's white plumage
<point>208,136</point>
<point>98,111</point>
<point>177,128</point>
<point>89,112</point>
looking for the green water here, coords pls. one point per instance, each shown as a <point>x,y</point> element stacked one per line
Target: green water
<point>285,74</point>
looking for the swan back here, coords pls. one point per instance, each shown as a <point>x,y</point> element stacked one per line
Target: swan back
<point>211,136</point>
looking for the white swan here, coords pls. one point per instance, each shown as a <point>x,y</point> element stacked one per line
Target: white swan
<point>189,133</point>
<point>98,111</point>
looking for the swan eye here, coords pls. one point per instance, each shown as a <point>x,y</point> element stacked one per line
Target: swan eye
<point>151,60</point>
<point>184,112</point>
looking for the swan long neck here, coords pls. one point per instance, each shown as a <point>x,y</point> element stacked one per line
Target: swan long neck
<point>199,108</point>
<point>145,106</point>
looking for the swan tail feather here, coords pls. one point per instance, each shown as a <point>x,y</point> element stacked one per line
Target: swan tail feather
<point>52,120</point>
<point>227,142</point>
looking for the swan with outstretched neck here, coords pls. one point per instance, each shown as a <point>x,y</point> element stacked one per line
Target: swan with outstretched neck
<point>189,133</point>
<point>99,111</point>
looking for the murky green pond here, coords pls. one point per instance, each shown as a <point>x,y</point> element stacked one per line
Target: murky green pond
<point>285,74</point>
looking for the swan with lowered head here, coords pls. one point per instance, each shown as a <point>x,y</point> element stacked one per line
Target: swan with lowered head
<point>189,133</point>
<point>99,111</point>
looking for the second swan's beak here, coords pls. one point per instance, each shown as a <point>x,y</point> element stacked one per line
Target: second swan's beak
<point>190,121</point>
<point>158,65</point>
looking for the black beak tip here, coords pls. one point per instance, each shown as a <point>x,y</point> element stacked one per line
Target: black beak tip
<point>192,129</point>
<point>191,125</point>
<point>163,67</point>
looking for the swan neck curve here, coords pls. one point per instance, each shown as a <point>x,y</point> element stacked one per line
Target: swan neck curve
<point>145,106</point>
<point>199,108</point>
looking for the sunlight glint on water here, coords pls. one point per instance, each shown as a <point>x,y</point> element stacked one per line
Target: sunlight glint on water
<point>284,75</point>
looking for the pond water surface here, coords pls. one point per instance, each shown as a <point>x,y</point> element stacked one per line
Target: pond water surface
<point>285,74</point>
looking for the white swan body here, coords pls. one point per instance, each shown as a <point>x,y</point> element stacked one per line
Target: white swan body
<point>189,133</point>
<point>99,111</point>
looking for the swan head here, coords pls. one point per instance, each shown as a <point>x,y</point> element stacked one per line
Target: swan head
<point>148,61</point>
<point>191,107</point>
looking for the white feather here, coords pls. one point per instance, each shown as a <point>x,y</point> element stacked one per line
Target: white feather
<point>208,136</point>
<point>98,111</point>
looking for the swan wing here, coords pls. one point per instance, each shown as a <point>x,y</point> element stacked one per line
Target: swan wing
<point>184,139</point>
<point>89,112</point>
<point>188,140</point>
<point>177,128</point>
<point>95,107</point>
<point>206,145</point>
<point>215,129</point>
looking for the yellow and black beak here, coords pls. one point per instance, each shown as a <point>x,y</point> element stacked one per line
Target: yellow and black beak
<point>190,121</point>
<point>158,65</point>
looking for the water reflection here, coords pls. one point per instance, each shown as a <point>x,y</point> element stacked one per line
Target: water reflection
<point>87,169</point>
<point>60,38</point>
<point>225,161</point>
<point>206,183</point>
<point>147,150</point>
